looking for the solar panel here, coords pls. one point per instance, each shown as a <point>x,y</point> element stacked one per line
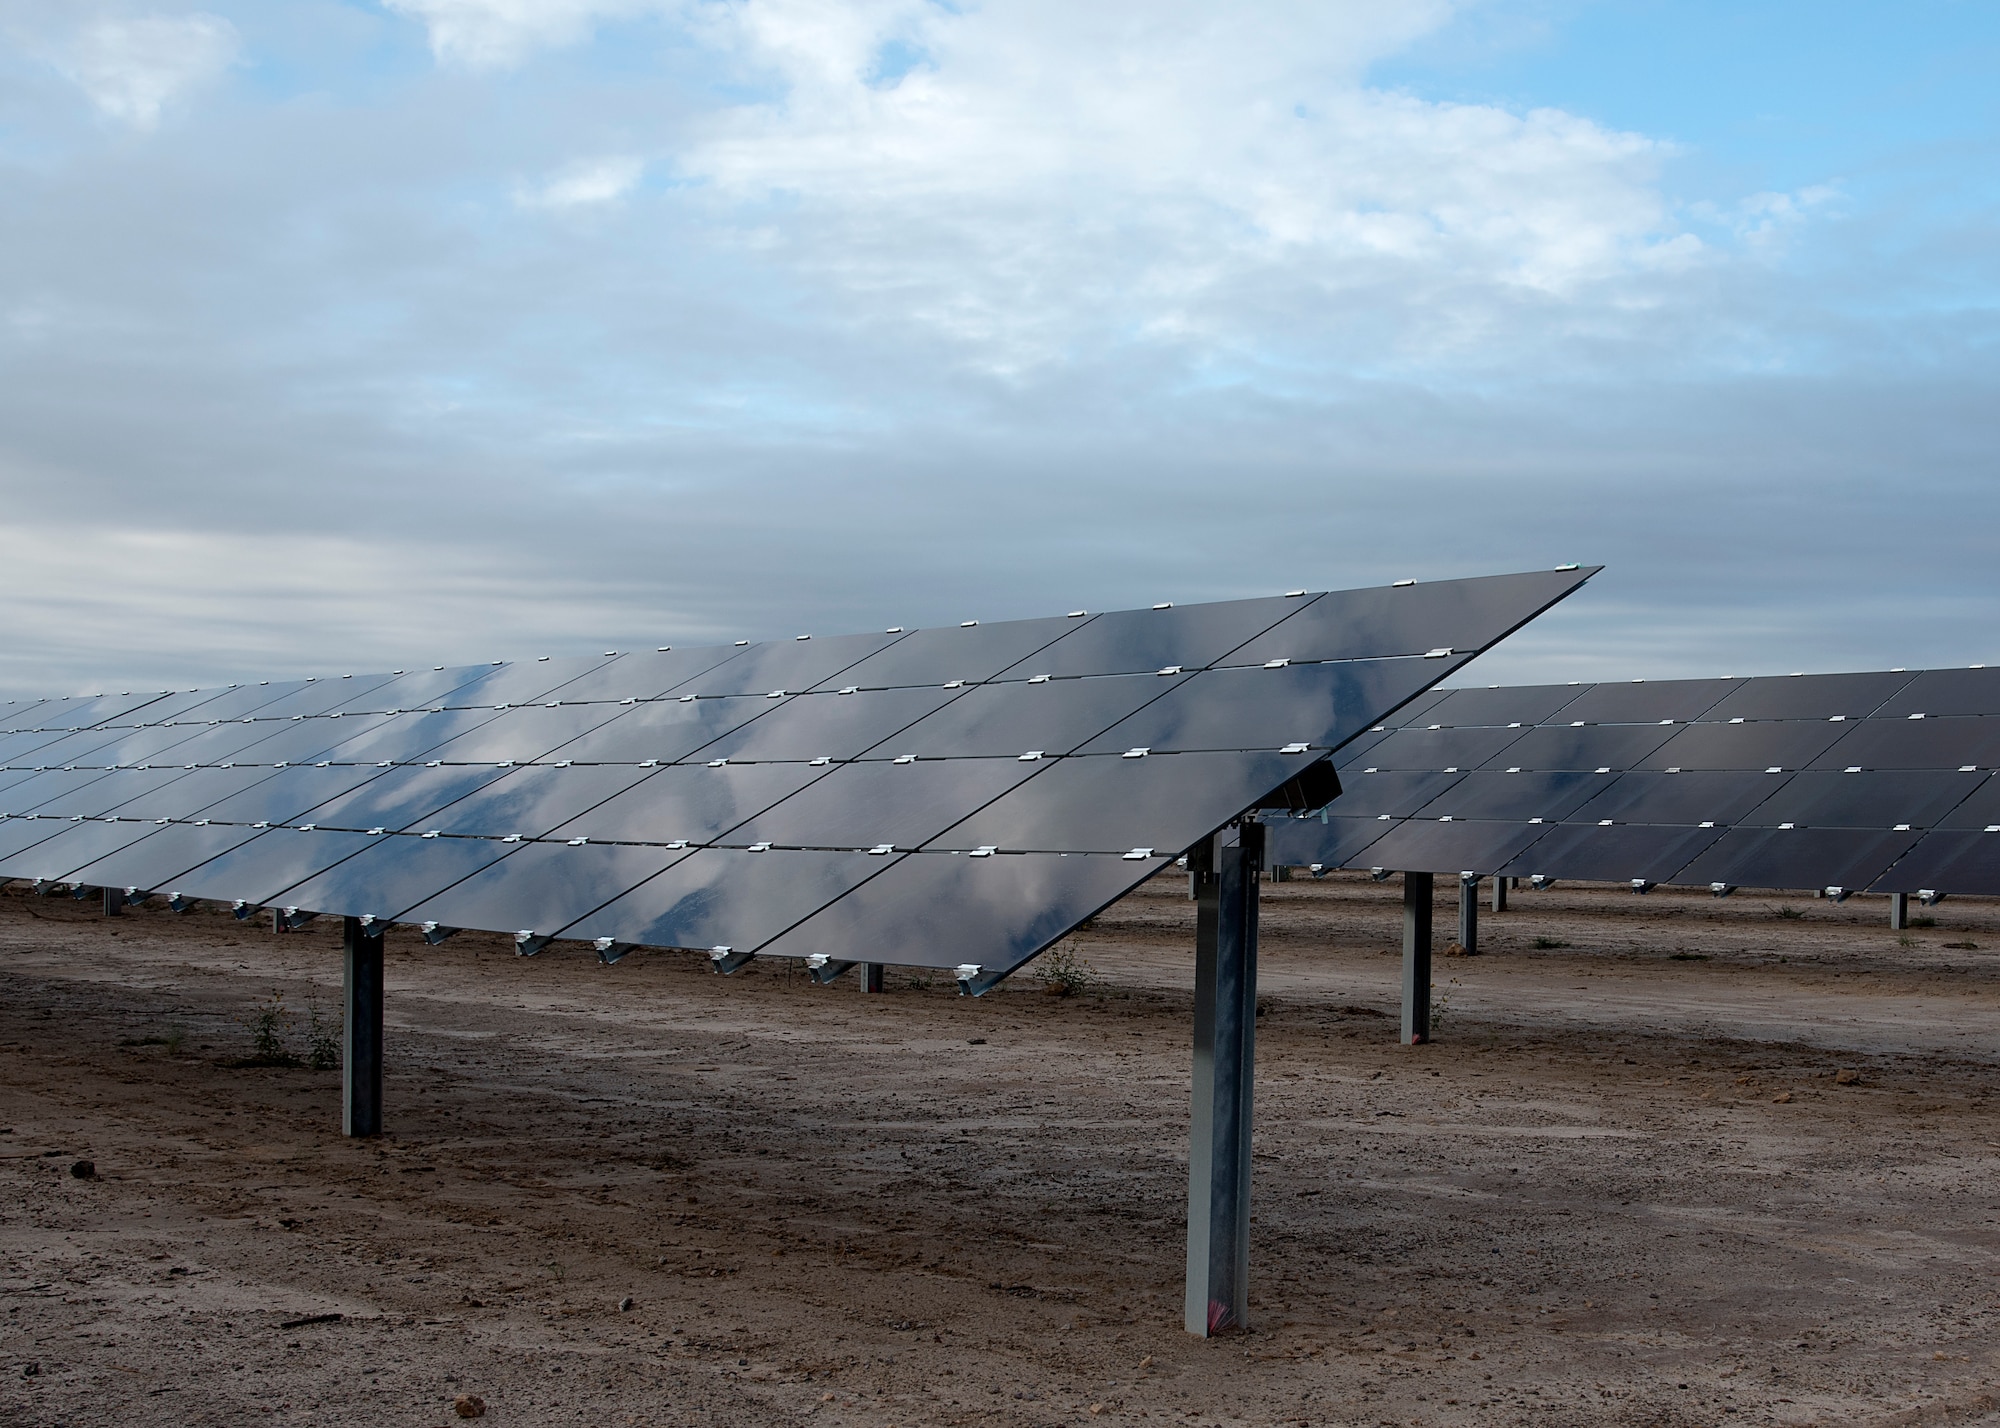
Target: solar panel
<point>1589,853</point>
<point>1810,781</point>
<point>1425,845</point>
<point>1515,797</point>
<point>1502,706</point>
<point>940,797</point>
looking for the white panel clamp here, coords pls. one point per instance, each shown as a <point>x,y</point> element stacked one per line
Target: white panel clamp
<point>243,911</point>
<point>1930,897</point>
<point>296,917</point>
<point>1722,889</point>
<point>435,933</point>
<point>975,981</point>
<point>1541,882</point>
<point>1641,886</point>
<point>825,970</point>
<point>1838,894</point>
<point>527,942</point>
<point>610,949</point>
<point>727,960</point>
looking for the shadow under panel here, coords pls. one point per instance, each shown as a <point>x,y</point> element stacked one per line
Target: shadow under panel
<point>1438,847</point>
<point>1955,861</point>
<point>543,886</point>
<point>1109,804</point>
<point>945,910</point>
<point>864,805</point>
<point>1323,705</point>
<point>395,872</point>
<point>1334,843</point>
<point>1798,858</point>
<point>1584,852</point>
<point>727,897</point>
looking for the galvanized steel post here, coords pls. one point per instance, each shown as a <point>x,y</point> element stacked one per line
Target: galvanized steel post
<point>1416,958</point>
<point>1899,911</point>
<point>1225,1055</point>
<point>871,976</point>
<point>361,1032</point>
<point>1468,912</point>
<point>1500,893</point>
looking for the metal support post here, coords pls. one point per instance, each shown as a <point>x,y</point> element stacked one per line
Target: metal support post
<point>1899,911</point>
<point>871,976</point>
<point>1500,886</point>
<point>361,1032</point>
<point>114,902</point>
<point>1416,958</point>
<point>1225,1055</point>
<point>1468,912</point>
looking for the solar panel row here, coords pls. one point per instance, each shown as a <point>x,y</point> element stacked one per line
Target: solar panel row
<point>1882,782</point>
<point>948,797</point>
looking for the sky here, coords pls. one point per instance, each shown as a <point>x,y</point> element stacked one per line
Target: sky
<point>340,335</point>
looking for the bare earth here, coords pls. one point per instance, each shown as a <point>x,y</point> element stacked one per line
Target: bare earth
<point>1624,1186</point>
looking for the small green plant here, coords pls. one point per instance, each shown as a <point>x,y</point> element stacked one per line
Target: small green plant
<point>1063,973</point>
<point>322,1039</point>
<point>267,1026</point>
<point>173,1039</point>
<point>1906,942</point>
<point>922,979</point>
<point>1785,912</point>
<point>1546,944</point>
<point>1923,922</point>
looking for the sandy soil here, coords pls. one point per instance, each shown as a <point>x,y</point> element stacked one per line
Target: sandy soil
<point>1624,1186</point>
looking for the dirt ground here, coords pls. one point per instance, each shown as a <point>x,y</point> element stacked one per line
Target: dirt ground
<point>1624,1186</point>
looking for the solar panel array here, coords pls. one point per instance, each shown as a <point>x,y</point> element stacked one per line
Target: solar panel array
<point>1880,782</point>
<point>942,797</point>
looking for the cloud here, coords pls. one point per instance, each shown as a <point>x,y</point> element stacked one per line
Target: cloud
<point>133,68</point>
<point>495,34</point>
<point>1188,176</point>
<point>585,182</point>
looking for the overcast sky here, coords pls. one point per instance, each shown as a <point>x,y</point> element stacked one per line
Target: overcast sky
<point>339,335</point>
